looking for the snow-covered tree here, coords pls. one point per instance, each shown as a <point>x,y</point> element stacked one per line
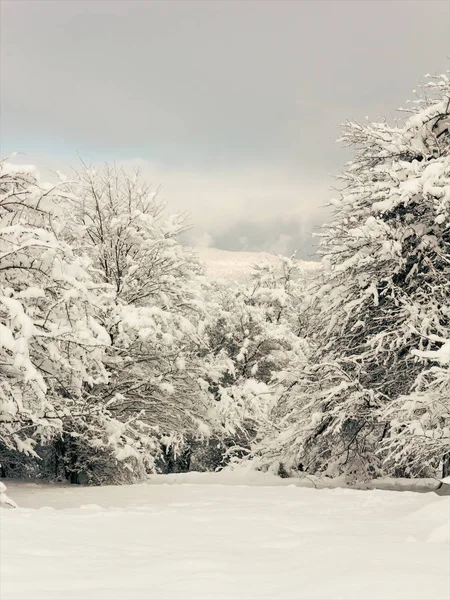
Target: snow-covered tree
<point>253,336</point>
<point>382,303</point>
<point>153,313</point>
<point>419,440</point>
<point>50,340</point>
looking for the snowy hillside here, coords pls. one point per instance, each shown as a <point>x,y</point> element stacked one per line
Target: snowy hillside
<point>252,537</point>
<point>224,264</point>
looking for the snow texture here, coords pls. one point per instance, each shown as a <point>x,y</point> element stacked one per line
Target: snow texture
<point>251,536</point>
<point>237,266</point>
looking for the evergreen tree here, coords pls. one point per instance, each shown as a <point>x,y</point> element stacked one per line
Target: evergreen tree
<point>382,306</point>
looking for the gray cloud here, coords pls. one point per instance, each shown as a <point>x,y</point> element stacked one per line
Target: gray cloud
<point>239,209</point>
<point>233,105</point>
<point>278,235</point>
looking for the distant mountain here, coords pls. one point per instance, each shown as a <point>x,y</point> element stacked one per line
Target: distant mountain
<point>237,266</point>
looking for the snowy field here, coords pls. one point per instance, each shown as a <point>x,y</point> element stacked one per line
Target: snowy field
<point>238,266</point>
<point>207,536</point>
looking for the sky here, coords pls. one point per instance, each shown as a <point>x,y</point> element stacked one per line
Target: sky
<point>232,107</point>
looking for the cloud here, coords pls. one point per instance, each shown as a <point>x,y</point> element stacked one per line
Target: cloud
<point>233,107</point>
<point>239,209</point>
<point>201,240</point>
<point>292,233</point>
<point>210,85</point>
<point>282,244</point>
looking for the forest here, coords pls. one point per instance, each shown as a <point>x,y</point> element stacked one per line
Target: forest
<point>119,357</point>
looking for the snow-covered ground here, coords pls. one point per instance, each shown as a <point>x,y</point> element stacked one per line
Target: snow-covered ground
<point>207,536</point>
<point>237,266</point>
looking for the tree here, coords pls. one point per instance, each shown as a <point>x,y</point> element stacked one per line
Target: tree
<point>254,334</point>
<point>382,300</point>
<point>50,340</point>
<point>153,314</point>
<point>419,439</point>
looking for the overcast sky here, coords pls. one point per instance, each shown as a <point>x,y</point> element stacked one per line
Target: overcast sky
<point>233,107</point>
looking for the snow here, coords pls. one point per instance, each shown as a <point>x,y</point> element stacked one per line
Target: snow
<point>442,355</point>
<point>237,266</point>
<point>224,536</point>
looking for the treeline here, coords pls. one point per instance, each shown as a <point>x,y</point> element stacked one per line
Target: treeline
<point>118,357</point>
